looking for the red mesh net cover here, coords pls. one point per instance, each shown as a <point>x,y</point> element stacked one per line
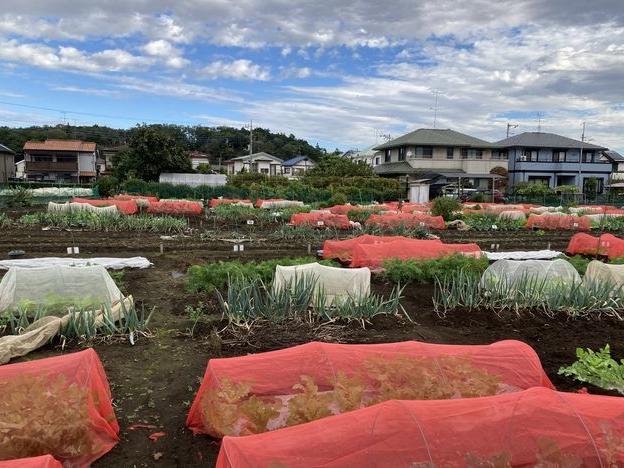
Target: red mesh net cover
<point>186,208</point>
<point>373,255</point>
<point>260,392</point>
<point>344,209</point>
<point>564,223</point>
<point>343,249</point>
<point>607,245</point>
<point>44,461</point>
<point>538,427</point>
<point>59,406</point>
<point>228,201</point>
<point>336,221</point>
<point>126,197</point>
<point>411,220</point>
<point>128,207</point>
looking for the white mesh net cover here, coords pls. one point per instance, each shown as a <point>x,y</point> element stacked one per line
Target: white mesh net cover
<point>58,286</point>
<point>510,272</point>
<point>603,274</point>
<point>336,283</point>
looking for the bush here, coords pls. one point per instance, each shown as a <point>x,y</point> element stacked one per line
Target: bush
<point>20,197</point>
<point>107,186</point>
<point>427,271</point>
<point>215,276</point>
<point>445,207</point>
<point>360,216</point>
<point>477,198</point>
<point>533,189</point>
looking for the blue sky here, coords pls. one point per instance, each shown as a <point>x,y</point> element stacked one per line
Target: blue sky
<point>334,72</point>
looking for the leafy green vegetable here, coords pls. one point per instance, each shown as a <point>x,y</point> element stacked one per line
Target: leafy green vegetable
<point>597,368</point>
<point>426,271</point>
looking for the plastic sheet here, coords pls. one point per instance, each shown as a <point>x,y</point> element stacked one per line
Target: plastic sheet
<point>538,427</point>
<point>409,220</point>
<point>267,391</point>
<point>44,461</point>
<point>343,249</point>
<point>321,220</point>
<point>563,223</point>
<point>59,406</point>
<point>373,255</point>
<point>181,208</point>
<point>110,263</point>
<point>523,255</point>
<point>229,201</point>
<point>277,203</point>
<point>512,272</point>
<point>128,207</point>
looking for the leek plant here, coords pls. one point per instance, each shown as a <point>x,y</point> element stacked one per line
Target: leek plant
<point>105,222</point>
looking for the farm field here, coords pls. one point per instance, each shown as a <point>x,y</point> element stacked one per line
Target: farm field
<point>154,382</point>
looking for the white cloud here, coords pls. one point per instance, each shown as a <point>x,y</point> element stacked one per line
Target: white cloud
<point>166,52</point>
<point>237,70</point>
<point>89,91</point>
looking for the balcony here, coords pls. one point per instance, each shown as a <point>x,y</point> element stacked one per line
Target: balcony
<point>50,166</point>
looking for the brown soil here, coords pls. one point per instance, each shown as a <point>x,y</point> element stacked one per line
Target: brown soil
<point>155,381</point>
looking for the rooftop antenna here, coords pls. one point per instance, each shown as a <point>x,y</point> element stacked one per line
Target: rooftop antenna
<point>539,122</point>
<point>380,134</point>
<point>509,127</point>
<point>436,93</point>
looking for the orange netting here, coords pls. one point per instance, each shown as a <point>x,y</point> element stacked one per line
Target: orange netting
<point>59,406</point>
<point>373,255</point>
<point>185,208</point>
<point>126,197</point>
<point>565,222</point>
<point>344,209</point>
<point>128,207</point>
<point>229,201</point>
<point>317,219</point>
<point>538,427</point>
<point>262,392</point>
<point>410,220</point>
<point>44,461</point>
<point>343,249</point>
<point>607,245</point>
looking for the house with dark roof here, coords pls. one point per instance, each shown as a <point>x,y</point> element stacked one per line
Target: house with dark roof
<point>556,160</point>
<point>60,160</point>
<point>297,166</point>
<point>427,159</point>
<point>261,162</point>
<point>7,164</point>
<point>368,156</point>
<point>617,165</point>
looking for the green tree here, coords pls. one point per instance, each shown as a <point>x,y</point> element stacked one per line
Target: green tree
<point>151,151</point>
<point>337,166</point>
<point>533,189</point>
<point>445,207</point>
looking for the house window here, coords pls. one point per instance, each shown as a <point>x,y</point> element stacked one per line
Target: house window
<point>500,154</point>
<point>529,155</point>
<point>449,152</point>
<point>377,160</point>
<point>471,153</point>
<point>287,170</point>
<point>589,157</point>
<point>559,156</point>
<point>388,156</point>
<point>401,154</point>
<point>264,171</point>
<point>425,152</point>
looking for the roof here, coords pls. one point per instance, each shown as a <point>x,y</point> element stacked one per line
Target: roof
<point>6,149</point>
<point>614,156</point>
<point>295,160</point>
<point>60,145</point>
<point>544,140</point>
<point>400,167</point>
<point>198,155</point>
<point>366,152</point>
<point>260,155</point>
<point>397,168</point>
<point>435,137</point>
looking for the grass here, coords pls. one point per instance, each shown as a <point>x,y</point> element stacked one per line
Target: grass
<point>4,220</point>
<point>427,271</point>
<point>106,222</point>
<point>215,275</point>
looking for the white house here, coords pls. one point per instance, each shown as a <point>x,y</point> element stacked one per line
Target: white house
<point>297,166</point>
<point>263,163</point>
<point>368,156</point>
<point>60,160</point>
<point>197,158</point>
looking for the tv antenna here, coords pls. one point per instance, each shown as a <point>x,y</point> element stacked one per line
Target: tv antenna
<point>380,134</point>
<point>539,122</point>
<point>510,127</point>
<point>436,94</point>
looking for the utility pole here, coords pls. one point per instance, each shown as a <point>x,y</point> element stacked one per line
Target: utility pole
<point>509,127</point>
<point>436,93</point>
<point>251,146</point>
<point>580,168</point>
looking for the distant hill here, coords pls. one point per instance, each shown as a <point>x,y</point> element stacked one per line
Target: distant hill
<point>218,142</point>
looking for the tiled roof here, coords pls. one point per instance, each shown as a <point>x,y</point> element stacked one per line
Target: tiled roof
<point>260,155</point>
<point>6,149</point>
<point>60,145</point>
<point>435,137</point>
<point>544,140</point>
<point>295,160</point>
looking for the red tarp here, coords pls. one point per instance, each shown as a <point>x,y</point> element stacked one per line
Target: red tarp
<point>321,220</point>
<point>59,406</point>
<point>606,245</point>
<point>536,427</point>
<point>126,197</point>
<point>266,391</point>
<point>44,461</point>
<point>410,220</point>
<point>185,208</point>
<point>343,249</point>
<point>563,223</point>
<point>228,201</point>
<point>373,255</point>
<point>128,207</point>
<point>344,209</point>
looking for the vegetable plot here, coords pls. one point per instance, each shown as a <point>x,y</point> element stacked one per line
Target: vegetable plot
<point>44,461</point>
<point>262,392</point>
<point>59,406</point>
<point>538,427</point>
<point>321,220</point>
